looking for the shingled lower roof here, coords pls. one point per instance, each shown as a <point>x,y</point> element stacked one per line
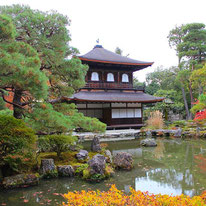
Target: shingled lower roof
<point>101,55</point>
<point>102,96</point>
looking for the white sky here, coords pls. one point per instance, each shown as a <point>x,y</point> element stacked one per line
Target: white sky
<point>139,27</point>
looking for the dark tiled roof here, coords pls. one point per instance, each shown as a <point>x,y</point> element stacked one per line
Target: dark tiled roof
<point>99,54</point>
<point>109,96</point>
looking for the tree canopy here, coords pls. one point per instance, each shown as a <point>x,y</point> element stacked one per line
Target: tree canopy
<point>44,69</point>
<point>189,41</point>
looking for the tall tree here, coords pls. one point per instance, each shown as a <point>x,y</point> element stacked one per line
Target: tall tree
<point>161,78</point>
<point>193,49</point>
<point>198,78</point>
<point>193,45</point>
<point>47,33</point>
<point>19,73</point>
<point>175,38</point>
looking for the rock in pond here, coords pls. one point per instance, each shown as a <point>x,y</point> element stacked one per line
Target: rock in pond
<point>97,164</point>
<point>82,155</point>
<point>123,160</point>
<point>20,180</point>
<point>65,171</point>
<point>48,168</point>
<point>148,142</point>
<point>148,133</point>
<point>95,146</point>
<point>108,155</point>
<point>178,133</point>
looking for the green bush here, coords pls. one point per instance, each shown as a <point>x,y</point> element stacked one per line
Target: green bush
<point>17,144</point>
<point>56,143</point>
<point>79,170</point>
<point>6,112</point>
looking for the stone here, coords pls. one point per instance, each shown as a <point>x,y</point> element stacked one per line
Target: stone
<point>20,180</point>
<point>82,155</point>
<point>137,134</point>
<point>198,131</point>
<point>80,139</point>
<point>65,171</point>
<point>123,160</point>
<point>178,132</point>
<point>48,168</point>
<point>148,133</point>
<point>97,164</point>
<point>148,142</point>
<point>95,146</point>
<point>108,155</point>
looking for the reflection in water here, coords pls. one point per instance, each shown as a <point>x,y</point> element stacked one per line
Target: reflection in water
<point>200,160</point>
<point>159,150</point>
<point>175,166</point>
<point>146,184</point>
<point>135,152</point>
<point>165,181</point>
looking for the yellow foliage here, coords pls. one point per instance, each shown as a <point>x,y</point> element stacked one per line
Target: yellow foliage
<point>115,197</point>
<point>155,120</point>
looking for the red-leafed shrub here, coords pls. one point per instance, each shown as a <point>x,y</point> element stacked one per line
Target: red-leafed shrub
<point>200,115</point>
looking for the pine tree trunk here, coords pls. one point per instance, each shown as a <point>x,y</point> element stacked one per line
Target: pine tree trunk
<point>185,103</point>
<point>17,101</point>
<point>191,97</point>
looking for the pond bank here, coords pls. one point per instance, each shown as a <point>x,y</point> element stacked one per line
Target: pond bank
<point>109,135</point>
<point>175,166</point>
<point>120,135</point>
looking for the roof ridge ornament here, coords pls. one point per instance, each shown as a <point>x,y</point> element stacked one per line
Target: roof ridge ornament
<point>98,45</point>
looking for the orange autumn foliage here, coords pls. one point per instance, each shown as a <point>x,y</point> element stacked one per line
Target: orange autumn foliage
<point>115,197</point>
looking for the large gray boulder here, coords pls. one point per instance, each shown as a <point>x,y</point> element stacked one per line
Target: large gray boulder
<point>97,164</point>
<point>20,180</point>
<point>48,168</point>
<point>82,154</point>
<point>95,146</point>
<point>65,171</point>
<point>123,160</point>
<point>148,142</point>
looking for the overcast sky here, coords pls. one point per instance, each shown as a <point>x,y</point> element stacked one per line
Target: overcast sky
<point>139,27</point>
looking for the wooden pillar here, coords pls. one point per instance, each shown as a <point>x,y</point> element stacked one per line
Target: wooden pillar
<point>118,77</point>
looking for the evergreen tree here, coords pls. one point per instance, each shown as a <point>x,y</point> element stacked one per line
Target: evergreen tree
<point>45,34</point>
<point>19,71</point>
<point>190,43</point>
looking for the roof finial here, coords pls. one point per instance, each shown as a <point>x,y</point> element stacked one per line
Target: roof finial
<point>98,45</point>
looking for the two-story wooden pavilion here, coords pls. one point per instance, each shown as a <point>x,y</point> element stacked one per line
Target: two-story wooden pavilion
<point>109,94</point>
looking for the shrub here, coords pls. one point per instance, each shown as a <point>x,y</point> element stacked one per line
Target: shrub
<point>180,123</point>
<point>155,120</point>
<point>57,143</point>
<point>118,198</point>
<point>89,124</point>
<point>17,144</point>
<point>79,170</point>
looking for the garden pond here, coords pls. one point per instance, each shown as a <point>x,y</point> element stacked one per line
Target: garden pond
<point>175,166</point>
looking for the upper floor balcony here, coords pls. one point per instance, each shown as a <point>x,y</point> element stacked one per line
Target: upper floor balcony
<point>110,85</point>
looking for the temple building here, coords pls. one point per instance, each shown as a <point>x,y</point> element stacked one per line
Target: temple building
<point>109,94</point>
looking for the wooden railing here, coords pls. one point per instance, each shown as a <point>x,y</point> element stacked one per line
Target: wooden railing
<point>109,85</point>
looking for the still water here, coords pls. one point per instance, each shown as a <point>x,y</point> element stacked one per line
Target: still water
<point>175,166</point>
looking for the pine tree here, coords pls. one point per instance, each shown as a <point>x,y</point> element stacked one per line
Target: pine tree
<point>60,74</point>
